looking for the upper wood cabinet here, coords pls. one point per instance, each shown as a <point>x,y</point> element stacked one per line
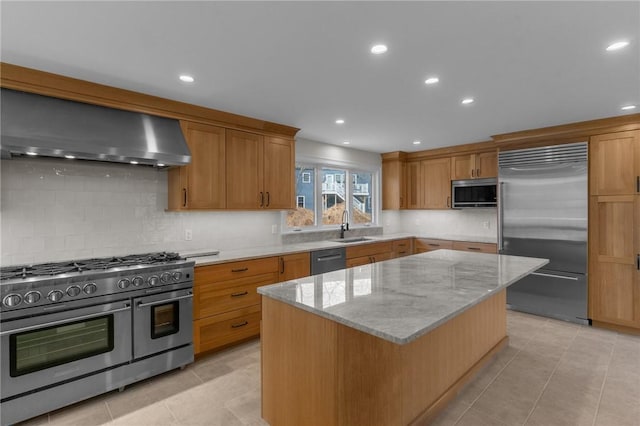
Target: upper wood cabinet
<point>436,183</point>
<point>260,171</point>
<point>201,183</point>
<point>474,166</point>
<point>394,181</point>
<point>414,193</point>
<point>615,163</point>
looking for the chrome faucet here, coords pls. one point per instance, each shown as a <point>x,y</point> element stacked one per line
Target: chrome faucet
<point>344,226</point>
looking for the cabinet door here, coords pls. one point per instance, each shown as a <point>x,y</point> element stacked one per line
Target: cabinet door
<point>615,163</point>
<point>423,245</point>
<point>414,186</point>
<point>614,246</point>
<point>201,183</point>
<point>279,173</point>
<point>393,185</point>
<point>461,166</point>
<point>244,170</point>
<point>294,266</point>
<point>436,181</point>
<point>486,165</point>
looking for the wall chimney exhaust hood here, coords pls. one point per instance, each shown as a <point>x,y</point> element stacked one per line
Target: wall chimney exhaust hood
<point>33,124</point>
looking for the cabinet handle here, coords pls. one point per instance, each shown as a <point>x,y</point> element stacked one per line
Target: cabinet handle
<point>448,201</point>
<point>401,205</point>
<point>261,199</point>
<point>240,270</point>
<point>638,262</point>
<point>637,183</point>
<point>241,324</point>
<point>281,265</point>
<point>472,172</point>
<point>184,199</point>
<point>244,293</point>
<point>268,199</point>
<point>473,248</point>
<point>434,245</point>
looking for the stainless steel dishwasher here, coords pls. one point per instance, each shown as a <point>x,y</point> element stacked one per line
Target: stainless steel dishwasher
<point>328,260</point>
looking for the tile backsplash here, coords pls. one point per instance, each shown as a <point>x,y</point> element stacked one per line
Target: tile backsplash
<point>53,209</point>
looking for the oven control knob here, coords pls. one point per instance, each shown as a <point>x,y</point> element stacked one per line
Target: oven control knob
<point>153,280</point>
<point>137,281</point>
<point>11,300</point>
<point>177,275</point>
<point>90,288</point>
<point>73,291</point>
<point>32,297</point>
<point>124,283</point>
<point>55,295</point>
<point>165,277</point>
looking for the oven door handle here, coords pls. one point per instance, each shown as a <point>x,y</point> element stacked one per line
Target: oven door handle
<point>160,302</point>
<point>127,307</point>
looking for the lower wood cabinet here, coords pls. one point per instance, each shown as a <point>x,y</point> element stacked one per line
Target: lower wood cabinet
<point>294,266</point>
<point>369,253</point>
<point>226,306</point>
<point>477,247</point>
<point>423,245</point>
<point>402,248</point>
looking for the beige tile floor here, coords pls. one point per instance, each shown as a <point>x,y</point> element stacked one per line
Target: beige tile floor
<point>552,373</point>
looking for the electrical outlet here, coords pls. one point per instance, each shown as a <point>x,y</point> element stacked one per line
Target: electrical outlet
<point>274,229</point>
<point>188,234</point>
<point>485,225</point>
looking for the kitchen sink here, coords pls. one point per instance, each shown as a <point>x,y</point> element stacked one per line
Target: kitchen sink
<point>351,240</point>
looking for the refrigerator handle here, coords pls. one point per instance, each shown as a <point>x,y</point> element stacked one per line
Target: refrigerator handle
<point>500,201</point>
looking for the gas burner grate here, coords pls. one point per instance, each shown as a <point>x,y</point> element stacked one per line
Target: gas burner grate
<point>59,268</point>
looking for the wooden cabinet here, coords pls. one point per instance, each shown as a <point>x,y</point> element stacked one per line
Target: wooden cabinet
<point>369,253</point>
<point>436,183</point>
<point>415,200</point>
<point>201,183</point>
<point>294,266</point>
<point>423,245</point>
<point>615,163</point>
<point>394,185</point>
<point>614,230</point>
<point>226,306</point>
<point>260,171</point>
<point>477,247</point>
<point>474,166</point>
<point>614,260</point>
<point>401,248</point>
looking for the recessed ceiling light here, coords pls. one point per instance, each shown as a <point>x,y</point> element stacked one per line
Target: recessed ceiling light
<point>378,49</point>
<point>432,80</point>
<point>187,78</point>
<point>339,121</point>
<point>31,153</point>
<point>618,45</point>
<point>346,142</point>
<point>133,162</point>
<point>70,157</point>
<point>624,108</point>
<point>417,142</point>
<point>467,101</point>
<point>160,165</point>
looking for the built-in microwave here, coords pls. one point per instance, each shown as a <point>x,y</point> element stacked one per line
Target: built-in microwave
<point>474,193</point>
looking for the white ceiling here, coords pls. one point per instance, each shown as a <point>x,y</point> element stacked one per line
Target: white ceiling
<point>305,64</point>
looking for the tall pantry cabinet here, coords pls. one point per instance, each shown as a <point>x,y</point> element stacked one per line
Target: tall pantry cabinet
<point>614,230</point>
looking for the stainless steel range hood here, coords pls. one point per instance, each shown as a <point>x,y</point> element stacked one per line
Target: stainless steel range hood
<point>40,125</point>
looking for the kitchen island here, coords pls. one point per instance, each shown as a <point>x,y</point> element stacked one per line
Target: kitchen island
<point>388,343</point>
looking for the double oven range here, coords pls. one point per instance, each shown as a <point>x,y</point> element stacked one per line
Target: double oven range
<point>73,330</point>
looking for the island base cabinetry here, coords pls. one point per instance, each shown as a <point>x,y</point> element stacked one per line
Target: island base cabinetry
<point>318,372</point>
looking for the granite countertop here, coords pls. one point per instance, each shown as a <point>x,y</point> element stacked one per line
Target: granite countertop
<point>282,249</point>
<point>401,299</point>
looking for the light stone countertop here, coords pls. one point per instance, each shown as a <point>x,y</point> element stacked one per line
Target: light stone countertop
<point>282,249</point>
<point>399,300</point>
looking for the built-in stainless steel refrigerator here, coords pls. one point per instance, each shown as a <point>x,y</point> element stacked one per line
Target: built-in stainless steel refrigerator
<point>542,212</point>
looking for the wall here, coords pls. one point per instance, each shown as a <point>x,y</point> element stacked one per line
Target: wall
<point>52,209</point>
<point>455,224</point>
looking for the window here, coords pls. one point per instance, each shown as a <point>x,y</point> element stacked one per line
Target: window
<point>324,193</point>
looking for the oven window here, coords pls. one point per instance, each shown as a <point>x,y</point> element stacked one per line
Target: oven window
<point>165,319</point>
<point>50,346</point>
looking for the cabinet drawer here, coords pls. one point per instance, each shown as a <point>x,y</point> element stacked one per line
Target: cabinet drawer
<point>363,260</point>
<point>216,298</point>
<point>477,247</point>
<point>423,245</point>
<point>232,270</point>
<point>369,249</point>
<point>402,247</point>
<point>221,330</point>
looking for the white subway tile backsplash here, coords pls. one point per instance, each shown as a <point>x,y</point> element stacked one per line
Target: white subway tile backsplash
<point>56,209</point>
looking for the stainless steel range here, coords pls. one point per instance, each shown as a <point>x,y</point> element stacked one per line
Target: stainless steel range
<point>73,330</point>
